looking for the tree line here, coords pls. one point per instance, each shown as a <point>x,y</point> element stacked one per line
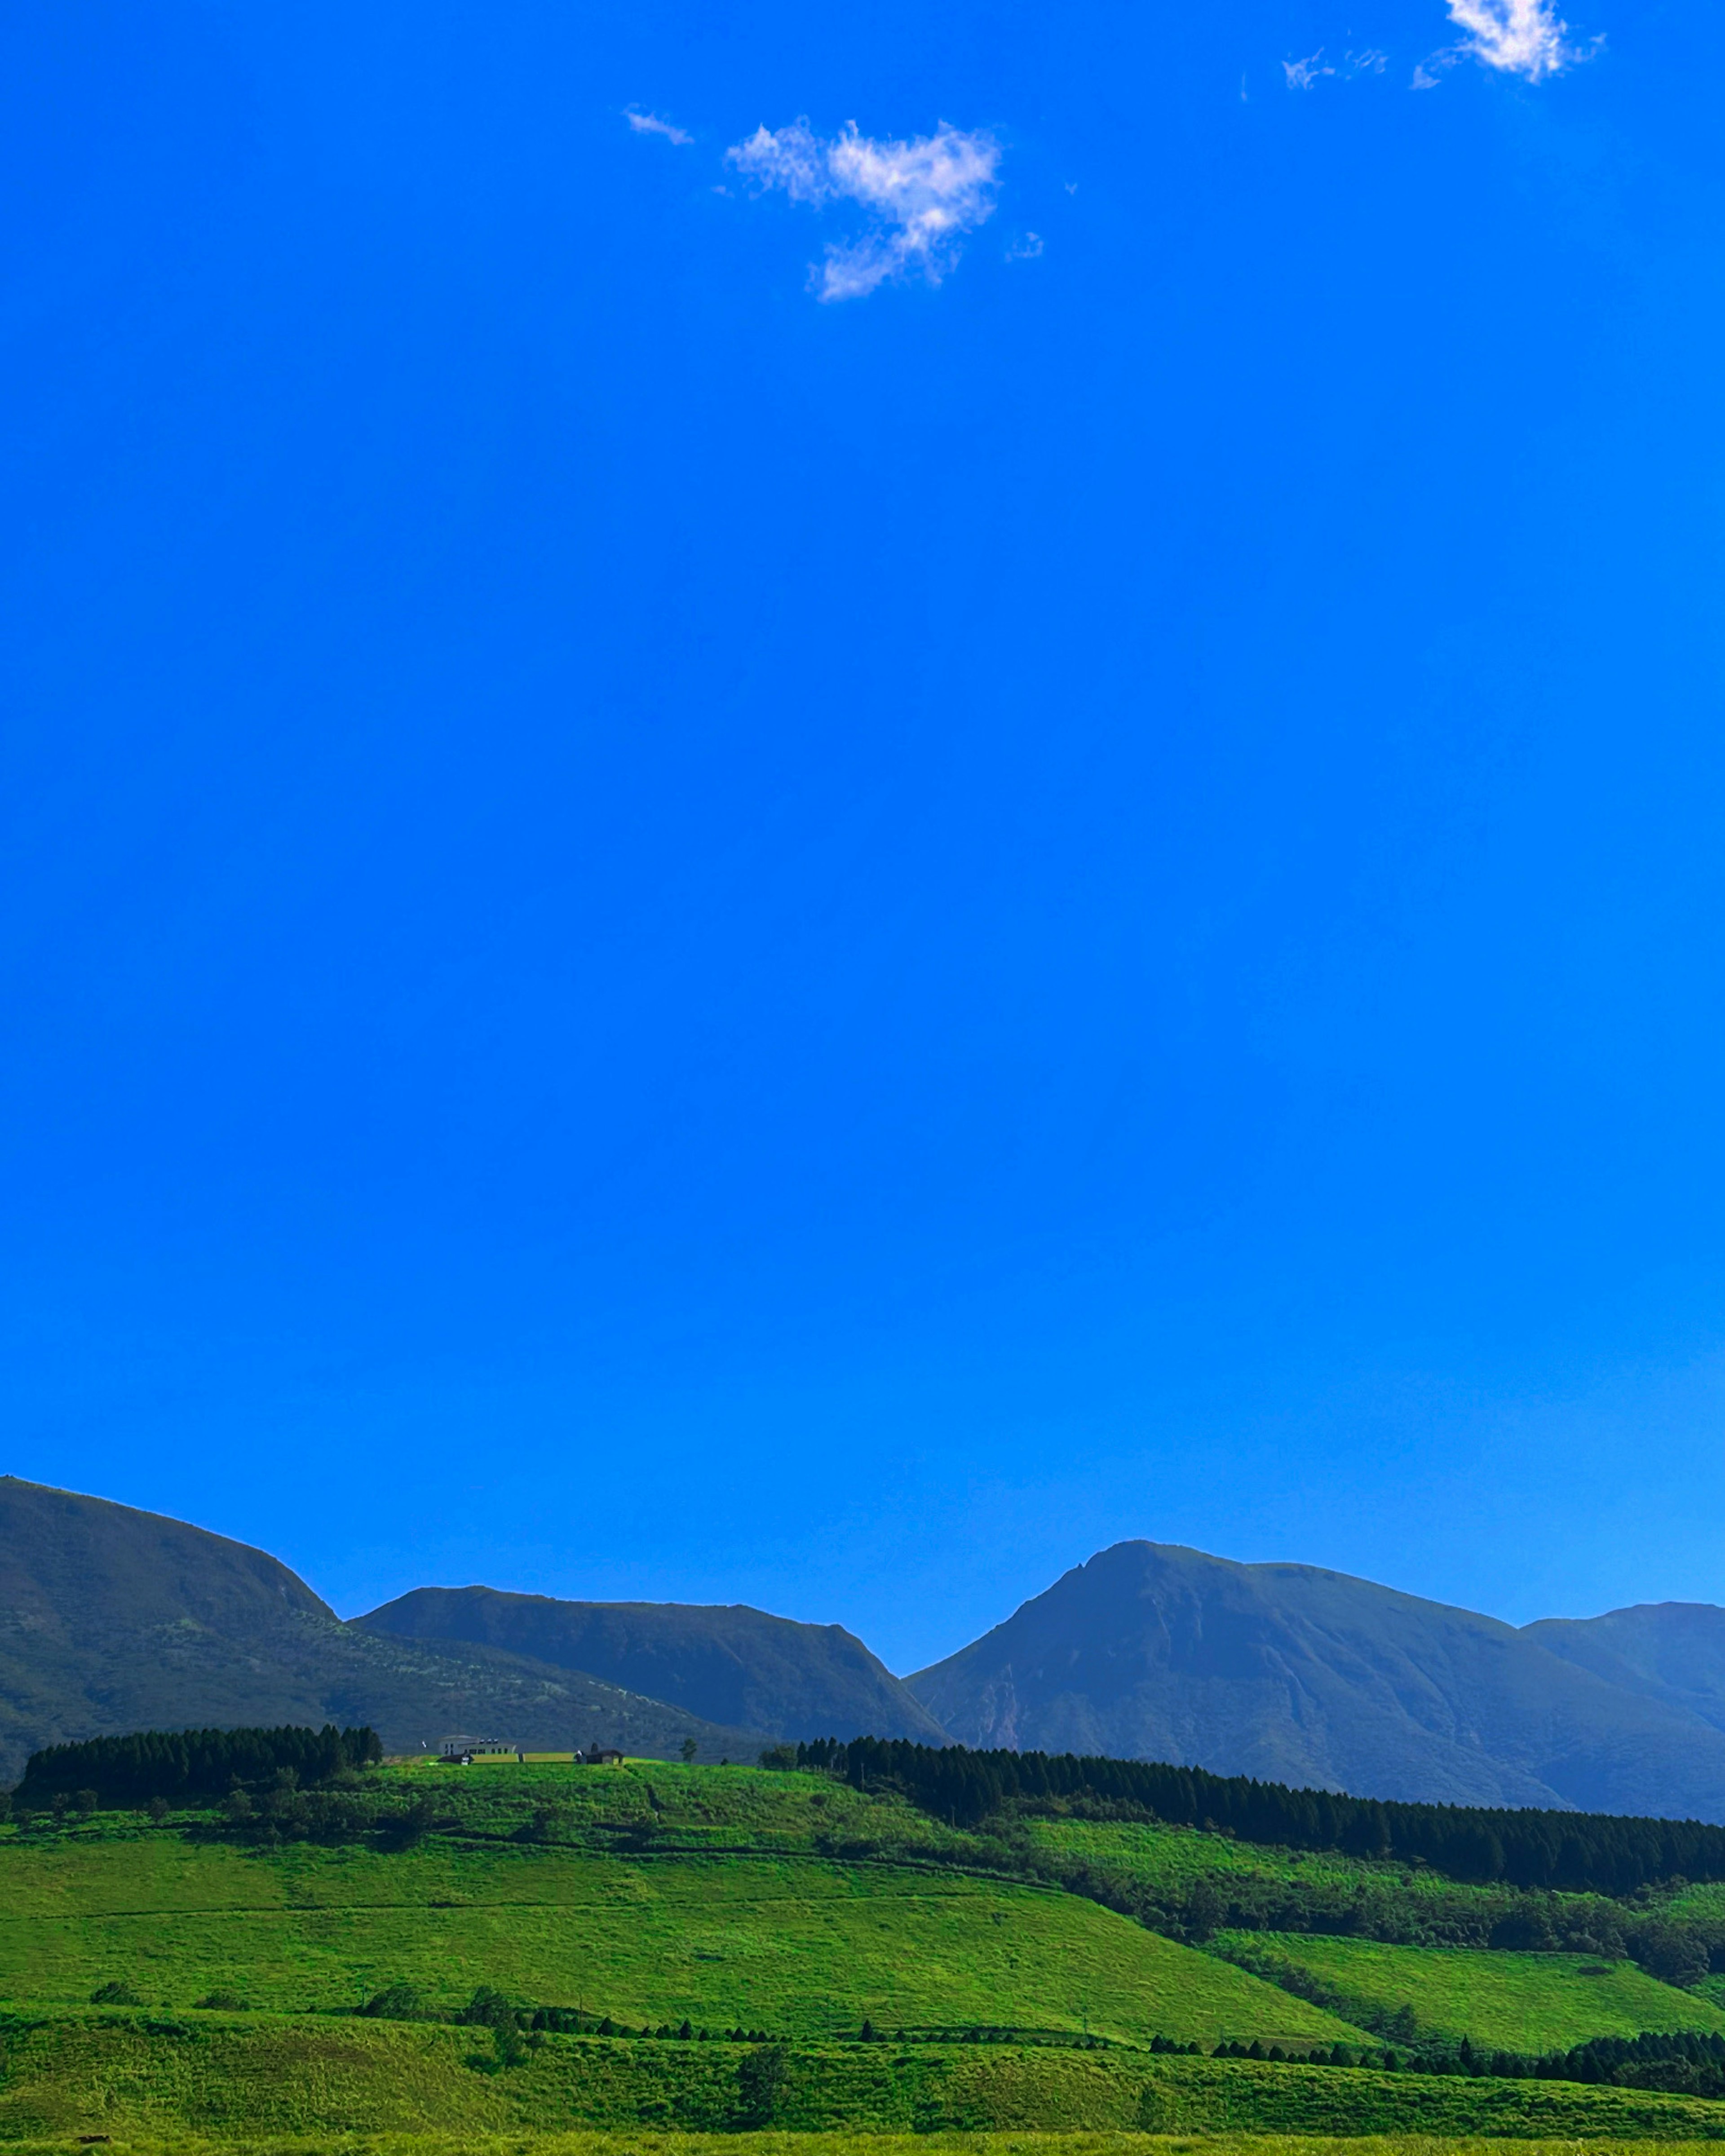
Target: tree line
<point>1578,1852</point>
<point>178,1765</point>
<point>1682,2061</point>
<point>1679,2063</point>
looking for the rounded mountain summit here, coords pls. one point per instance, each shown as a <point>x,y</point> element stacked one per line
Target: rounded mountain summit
<point>1292,1674</point>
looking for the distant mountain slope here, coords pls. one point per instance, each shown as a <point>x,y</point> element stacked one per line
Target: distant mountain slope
<point>113,1619</point>
<point>1674,1651</point>
<point>731,1664</point>
<point>1296,1674</point>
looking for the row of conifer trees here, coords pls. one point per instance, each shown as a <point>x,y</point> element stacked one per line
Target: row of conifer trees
<point>183,1764</point>
<point>1579,1851</point>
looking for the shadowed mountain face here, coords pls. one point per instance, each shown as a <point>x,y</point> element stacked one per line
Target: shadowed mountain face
<point>1296,1674</point>
<point>112,1620</point>
<point>1674,1651</point>
<point>731,1664</point>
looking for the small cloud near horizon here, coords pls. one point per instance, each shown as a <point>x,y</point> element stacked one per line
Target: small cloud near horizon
<point>922,197</point>
<point>649,123</point>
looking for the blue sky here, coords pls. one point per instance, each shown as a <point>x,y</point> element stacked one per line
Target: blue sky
<point>806,805</point>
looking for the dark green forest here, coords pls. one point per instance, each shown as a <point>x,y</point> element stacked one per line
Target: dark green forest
<point>1578,1852</point>
<point>175,1765</point>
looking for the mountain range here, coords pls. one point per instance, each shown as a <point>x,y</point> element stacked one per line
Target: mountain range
<point>1292,1673</point>
<point>113,1619</point>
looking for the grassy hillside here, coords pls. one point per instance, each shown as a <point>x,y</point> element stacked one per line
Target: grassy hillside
<point>738,1897</point>
<point>880,2141</point>
<point>1177,1856</point>
<point>1518,2002</point>
<point>1182,1879</point>
<point>127,2075</point>
<point>685,1923</point>
<point>802,1947</point>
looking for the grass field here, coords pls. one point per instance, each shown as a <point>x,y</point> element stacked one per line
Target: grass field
<point>797,1945</point>
<point>1514,2002</point>
<point>231,2079</point>
<point>1180,1856</point>
<point>634,2141</point>
<point>785,1903</point>
<point>1267,1888</point>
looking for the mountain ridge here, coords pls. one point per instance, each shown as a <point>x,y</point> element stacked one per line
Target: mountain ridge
<point>1294,1673</point>
<point>113,1619</point>
<point>728,1661</point>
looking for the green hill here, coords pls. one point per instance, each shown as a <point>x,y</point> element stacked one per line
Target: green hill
<point>137,2079</point>
<point>293,1961</point>
<point>1190,1881</point>
<point>784,1940</point>
<point>730,1665</point>
<point>1514,2002</point>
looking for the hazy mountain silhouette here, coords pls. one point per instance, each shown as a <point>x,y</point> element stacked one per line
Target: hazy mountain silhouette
<point>729,1663</point>
<point>1670,1650</point>
<point>113,1619</point>
<point>1296,1674</point>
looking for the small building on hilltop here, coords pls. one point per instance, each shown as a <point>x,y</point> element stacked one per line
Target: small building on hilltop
<point>474,1751</point>
<point>462,1751</point>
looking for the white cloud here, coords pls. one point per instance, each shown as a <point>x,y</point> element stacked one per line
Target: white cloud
<point>1301,74</point>
<point>1517,37</point>
<point>1308,73</point>
<point>649,123</point>
<point>1025,250</point>
<point>921,196</point>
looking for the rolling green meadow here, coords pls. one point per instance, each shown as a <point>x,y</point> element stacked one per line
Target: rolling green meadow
<point>802,1949</point>
<point>1008,1984</point>
<point>1513,2002</point>
<point>124,2075</point>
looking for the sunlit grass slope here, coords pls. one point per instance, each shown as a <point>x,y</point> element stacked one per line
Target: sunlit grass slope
<point>223,2078</point>
<point>1276,1888</point>
<point>935,2141</point>
<point>1514,2002</point>
<point>1178,1856</point>
<point>794,1943</point>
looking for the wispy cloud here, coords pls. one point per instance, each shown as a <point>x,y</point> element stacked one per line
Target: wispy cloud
<point>649,123</point>
<point>1528,38</point>
<point>1302,74</point>
<point>920,197</point>
<point>1308,73</point>
<point>1025,250</point>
